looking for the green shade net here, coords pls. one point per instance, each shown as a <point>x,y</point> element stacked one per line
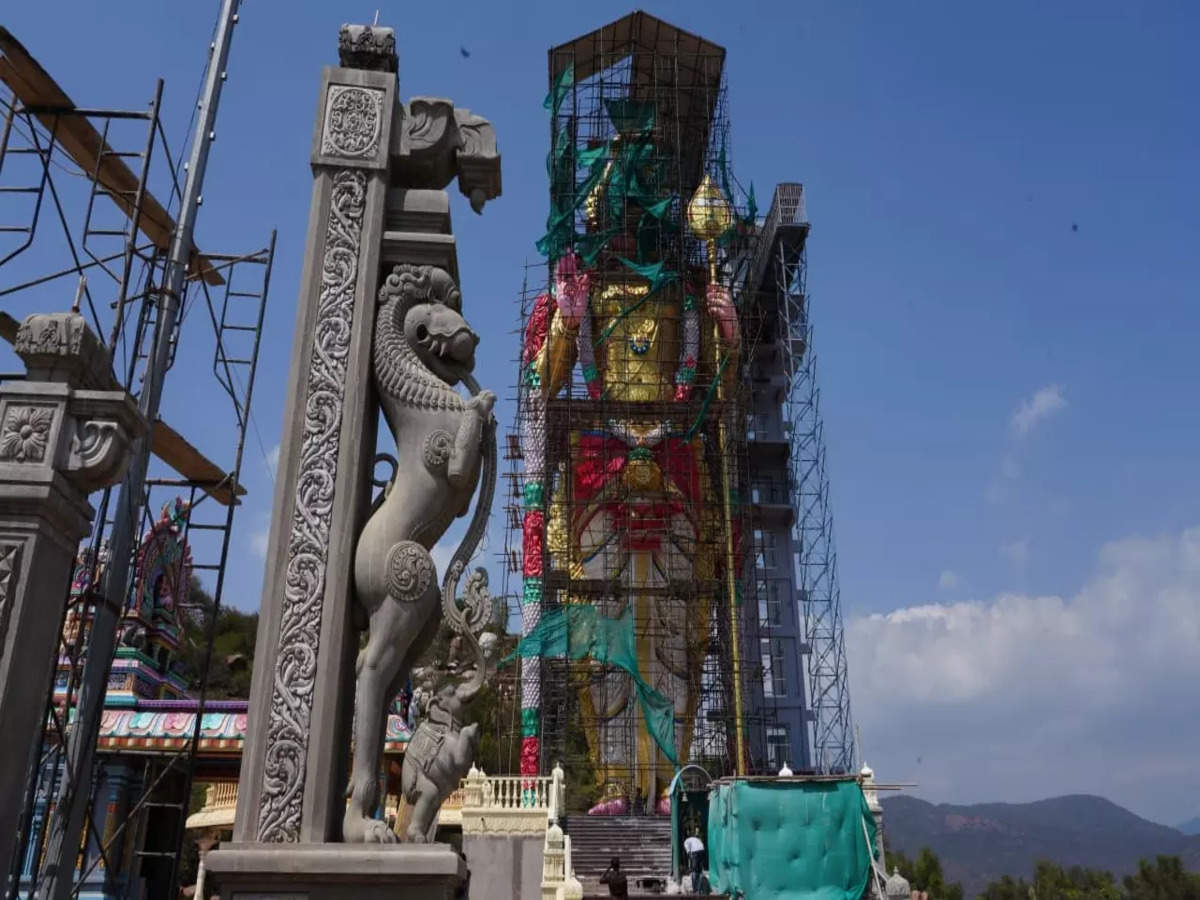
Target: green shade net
<point>795,839</point>
<point>578,631</point>
<point>630,116</point>
<point>560,89</point>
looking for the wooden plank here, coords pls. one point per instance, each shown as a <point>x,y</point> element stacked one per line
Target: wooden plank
<point>34,86</point>
<point>173,449</point>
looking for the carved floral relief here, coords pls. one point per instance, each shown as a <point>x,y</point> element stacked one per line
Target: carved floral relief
<point>25,433</point>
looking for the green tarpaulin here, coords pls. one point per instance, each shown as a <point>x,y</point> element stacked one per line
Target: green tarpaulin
<point>578,631</point>
<point>799,840</point>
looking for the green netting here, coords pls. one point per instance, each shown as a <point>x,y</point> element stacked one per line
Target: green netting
<point>577,631</point>
<point>560,89</point>
<point>630,116</point>
<point>790,839</point>
<point>624,166</point>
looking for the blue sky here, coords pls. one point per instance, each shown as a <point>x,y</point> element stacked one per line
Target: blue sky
<point>1004,208</point>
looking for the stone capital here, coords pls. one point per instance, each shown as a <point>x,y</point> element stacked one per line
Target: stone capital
<point>367,47</point>
<point>60,348</point>
<point>69,420</point>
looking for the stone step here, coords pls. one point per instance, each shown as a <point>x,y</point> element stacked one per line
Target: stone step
<point>642,843</point>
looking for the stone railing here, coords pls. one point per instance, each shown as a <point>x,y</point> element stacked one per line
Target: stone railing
<point>512,804</point>
<point>221,795</point>
<point>220,804</point>
<point>451,811</point>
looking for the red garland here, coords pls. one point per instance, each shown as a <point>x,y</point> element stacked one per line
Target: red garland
<point>532,541</point>
<point>602,458</point>
<point>529,756</point>
<point>535,331</point>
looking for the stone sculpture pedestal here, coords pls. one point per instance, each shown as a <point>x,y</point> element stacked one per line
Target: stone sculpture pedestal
<point>336,871</point>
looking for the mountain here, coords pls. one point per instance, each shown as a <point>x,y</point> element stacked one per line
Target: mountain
<point>1190,827</point>
<point>978,844</point>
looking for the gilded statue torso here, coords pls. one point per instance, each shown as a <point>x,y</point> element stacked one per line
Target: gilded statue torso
<point>641,351</point>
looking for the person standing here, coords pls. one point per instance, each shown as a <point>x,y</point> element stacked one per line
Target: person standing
<point>615,879</point>
<point>694,848</point>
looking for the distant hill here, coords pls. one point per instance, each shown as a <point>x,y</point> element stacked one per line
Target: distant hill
<point>978,844</point>
<point>1191,826</point>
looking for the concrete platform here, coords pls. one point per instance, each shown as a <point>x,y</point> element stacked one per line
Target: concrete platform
<point>332,871</point>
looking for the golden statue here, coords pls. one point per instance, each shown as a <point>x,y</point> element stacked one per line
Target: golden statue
<point>632,513</point>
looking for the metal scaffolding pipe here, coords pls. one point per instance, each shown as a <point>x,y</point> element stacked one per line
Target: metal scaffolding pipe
<point>56,877</point>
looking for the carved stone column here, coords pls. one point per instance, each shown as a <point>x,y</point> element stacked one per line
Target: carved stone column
<point>379,167</point>
<point>293,770</point>
<point>64,432</point>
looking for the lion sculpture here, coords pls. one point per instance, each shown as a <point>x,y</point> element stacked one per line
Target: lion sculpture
<point>422,348</point>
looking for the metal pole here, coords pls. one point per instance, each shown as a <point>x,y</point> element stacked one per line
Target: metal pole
<point>66,826</point>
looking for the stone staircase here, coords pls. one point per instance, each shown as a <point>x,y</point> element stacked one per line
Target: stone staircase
<point>643,844</point>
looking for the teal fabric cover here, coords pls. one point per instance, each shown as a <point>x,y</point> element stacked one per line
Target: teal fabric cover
<point>796,840</point>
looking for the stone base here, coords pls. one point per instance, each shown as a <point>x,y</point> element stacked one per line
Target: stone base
<point>505,866</point>
<point>334,871</point>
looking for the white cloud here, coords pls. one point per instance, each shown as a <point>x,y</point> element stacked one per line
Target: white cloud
<point>272,460</point>
<point>1045,402</point>
<point>260,538</point>
<point>1017,552</point>
<point>1025,696</point>
<point>948,581</point>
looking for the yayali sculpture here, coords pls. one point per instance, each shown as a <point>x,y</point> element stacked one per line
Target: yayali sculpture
<point>422,348</point>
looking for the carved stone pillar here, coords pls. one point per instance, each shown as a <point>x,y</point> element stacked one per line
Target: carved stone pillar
<point>378,167</point>
<point>64,432</point>
<point>293,769</point>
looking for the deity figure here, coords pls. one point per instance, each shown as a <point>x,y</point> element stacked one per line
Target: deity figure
<point>631,508</point>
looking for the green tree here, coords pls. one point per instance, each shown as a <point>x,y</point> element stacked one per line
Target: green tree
<point>1007,888</point>
<point>233,646</point>
<point>1164,879</point>
<point>925,874</point>
<point>1053,882</point>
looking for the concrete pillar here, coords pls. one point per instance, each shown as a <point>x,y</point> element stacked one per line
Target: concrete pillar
<point>64,432</point>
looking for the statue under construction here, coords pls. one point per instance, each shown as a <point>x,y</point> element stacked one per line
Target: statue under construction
<point>648,635</point>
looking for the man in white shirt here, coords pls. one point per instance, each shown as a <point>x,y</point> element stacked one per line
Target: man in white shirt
<point>694,848</point>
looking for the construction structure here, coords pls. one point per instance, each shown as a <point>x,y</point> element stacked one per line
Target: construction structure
<point>98,210</point>
<point>669,536</point>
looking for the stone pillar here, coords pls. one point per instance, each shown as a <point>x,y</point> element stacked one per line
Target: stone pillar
<point>554,868</point>
<point>292,786</point>
<point>64,432</point>
<point>379,167</point>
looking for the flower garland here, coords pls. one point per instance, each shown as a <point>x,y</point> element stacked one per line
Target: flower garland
<point>533,527</point>
<point>685,375</point>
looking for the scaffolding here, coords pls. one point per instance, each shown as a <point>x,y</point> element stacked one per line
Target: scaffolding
<point>626,523</point>
<point>81,184</point>
<point>780,271</point>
